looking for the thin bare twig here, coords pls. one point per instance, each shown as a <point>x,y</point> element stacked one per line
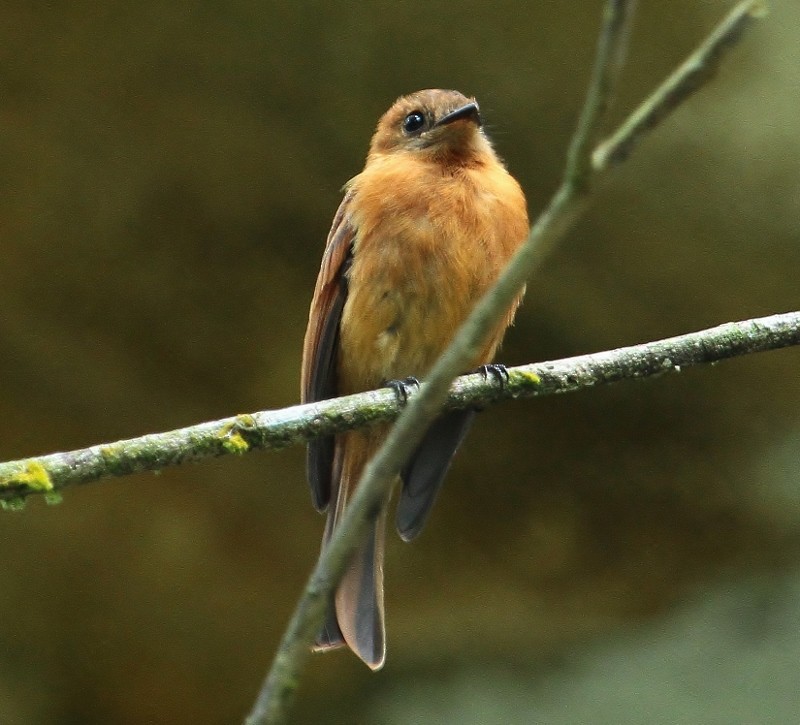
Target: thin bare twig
<point>689,77</point>
<point>279,687</point>
<point>277,692</point>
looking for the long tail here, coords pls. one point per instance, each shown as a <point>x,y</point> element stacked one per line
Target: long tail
<point>355,617</point>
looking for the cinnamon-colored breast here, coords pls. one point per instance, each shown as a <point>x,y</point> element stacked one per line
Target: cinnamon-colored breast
<point>422,261</point>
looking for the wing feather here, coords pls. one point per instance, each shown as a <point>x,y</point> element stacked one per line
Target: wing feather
<point>319,378</point>
<point>423,475</point>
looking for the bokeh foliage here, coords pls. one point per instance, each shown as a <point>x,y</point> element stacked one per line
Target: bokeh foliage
<point>170,173</point>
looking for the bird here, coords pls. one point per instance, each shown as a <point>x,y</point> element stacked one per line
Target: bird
<point>420,235</point>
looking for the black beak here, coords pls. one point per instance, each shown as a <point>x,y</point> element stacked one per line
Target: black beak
<point>470,111</point>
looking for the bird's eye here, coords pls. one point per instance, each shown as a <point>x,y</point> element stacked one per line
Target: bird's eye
<point>413,122</point>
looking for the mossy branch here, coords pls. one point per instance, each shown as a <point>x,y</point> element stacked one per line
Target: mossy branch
<point>274,429</point>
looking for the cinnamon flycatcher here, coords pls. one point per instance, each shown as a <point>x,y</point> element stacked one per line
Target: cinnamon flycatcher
<point>422,232</point>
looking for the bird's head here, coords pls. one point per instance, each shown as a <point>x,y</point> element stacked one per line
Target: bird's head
<point>440,125</point>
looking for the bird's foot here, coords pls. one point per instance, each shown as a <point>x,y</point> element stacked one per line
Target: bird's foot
<point>498,371</point>
<point>402,388</point>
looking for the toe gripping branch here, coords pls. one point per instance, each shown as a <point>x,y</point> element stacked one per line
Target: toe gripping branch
<point>403,388</point>
<point>498,371</point>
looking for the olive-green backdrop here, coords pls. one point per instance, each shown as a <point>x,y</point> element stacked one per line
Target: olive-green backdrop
<point>169,172</point>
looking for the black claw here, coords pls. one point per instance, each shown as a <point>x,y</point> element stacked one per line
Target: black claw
<point>498,371</point>
<point>402,388</point>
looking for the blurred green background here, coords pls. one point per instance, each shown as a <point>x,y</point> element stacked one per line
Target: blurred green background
<point>628,554</point>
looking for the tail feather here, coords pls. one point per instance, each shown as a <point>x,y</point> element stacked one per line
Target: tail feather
<point>330,636</point>
<point>355,613</point>
<point>359,599</point>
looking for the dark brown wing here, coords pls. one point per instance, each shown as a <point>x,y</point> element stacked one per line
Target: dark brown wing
<point>423,475</point>
<point>320,348</point>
